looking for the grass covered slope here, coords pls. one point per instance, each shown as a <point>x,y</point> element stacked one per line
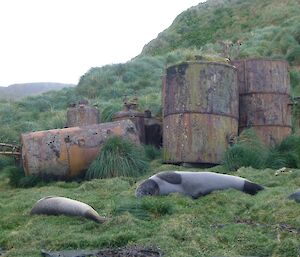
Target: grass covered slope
<point>225,223</point>
<point>235,20</point>
<point>268,28</point>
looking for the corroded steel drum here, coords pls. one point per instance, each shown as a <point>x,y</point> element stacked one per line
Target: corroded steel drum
<point>136,117</point>
<point>264,87</point>
<point>82,115</point>
<point>66,153</point>
<point>200,113</point>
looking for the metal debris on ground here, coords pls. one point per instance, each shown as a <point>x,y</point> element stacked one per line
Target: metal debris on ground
<point>283,170</point>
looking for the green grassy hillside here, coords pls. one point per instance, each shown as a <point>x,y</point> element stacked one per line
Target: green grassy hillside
<point>255,23</point>
<point>268,28</point>
<point>224,223</point>
<point>18,91</point>
<point>227,223</point>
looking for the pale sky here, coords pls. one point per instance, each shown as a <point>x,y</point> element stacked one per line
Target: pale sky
<point>60,40</point>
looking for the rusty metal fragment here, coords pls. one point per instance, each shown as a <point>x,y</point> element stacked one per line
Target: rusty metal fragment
<point>68,152</point>
<point>200,102</point>
<point>130,112</point>
<point>264,104</point>
<point>82,115</point>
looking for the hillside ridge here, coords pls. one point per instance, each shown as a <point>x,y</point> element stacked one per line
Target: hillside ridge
<point>21,90</point>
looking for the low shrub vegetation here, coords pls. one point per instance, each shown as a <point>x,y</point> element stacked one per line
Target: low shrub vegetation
<point>17,178</point>
<point>152,152</point>
<point>118,157</point>
<point>250,152</point>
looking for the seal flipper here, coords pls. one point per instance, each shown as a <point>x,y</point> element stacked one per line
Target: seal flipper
<point>251,188</point>
<point>295,196</point>
<point>93,215</point>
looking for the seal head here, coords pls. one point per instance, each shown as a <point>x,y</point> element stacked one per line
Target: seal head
<point>295,196</point>
<point>148,187</point>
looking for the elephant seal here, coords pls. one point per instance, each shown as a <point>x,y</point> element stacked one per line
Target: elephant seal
<point>194,184</point>
<point>55,205</point>
<point>295,196</point>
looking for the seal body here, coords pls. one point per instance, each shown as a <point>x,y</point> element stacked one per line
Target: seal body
<point>194,184</point>
<point>55,205</point>
<point>295,196</point>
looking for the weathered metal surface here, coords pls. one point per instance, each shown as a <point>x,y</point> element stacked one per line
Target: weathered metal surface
<point>264,104</point>
<point>200,112</point>
<point>66,153</point>
<point>82,115</point>
<point>136,117</point>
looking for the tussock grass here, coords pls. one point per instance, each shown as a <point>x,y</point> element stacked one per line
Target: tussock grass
<point>109,111</point>
<point>152,152</point>
<point>224,223</point>
<point>118,157</point>
<point>250,152</point>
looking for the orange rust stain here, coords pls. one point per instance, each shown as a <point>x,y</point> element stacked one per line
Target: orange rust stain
<point>63,157</point>
<point>117,130</point>
<point>80,158</point>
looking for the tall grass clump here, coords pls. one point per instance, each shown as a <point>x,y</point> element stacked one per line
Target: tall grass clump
<point>109,111</point>
<point>247,151</point>
<point>284,154</point>
<point>118,157</point>
<point>152,152</point>
<point>17,177</point>
<point>5,161</point>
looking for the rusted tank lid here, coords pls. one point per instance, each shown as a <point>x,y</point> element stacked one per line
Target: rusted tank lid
<point>202,62</point>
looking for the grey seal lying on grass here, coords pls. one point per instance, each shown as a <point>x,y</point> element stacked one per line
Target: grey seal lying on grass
<point>194,184</point>
<point>55,205</point>
<point>295,196</point>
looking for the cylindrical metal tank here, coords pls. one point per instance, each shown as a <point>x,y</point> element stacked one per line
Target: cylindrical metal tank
<point>82,115</point>
<point>264,89</point>
<point>200,113</point>
<point>66,153</point>
<point>136,117</point>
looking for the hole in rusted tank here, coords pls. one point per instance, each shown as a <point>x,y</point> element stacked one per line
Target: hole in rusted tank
<point>67,139</point>
<point>130,130</point>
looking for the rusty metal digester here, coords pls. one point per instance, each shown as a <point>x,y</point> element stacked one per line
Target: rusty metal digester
<point>200,101</point>
<point>82,115</point>
<point>67,153</point>
<point>264,89</point>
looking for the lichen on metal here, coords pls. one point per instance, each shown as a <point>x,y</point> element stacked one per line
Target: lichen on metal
<point>264,87</point>
<point>130,112</point>
<point>82,115</point>
<point>68,152</point>
<point>200,102</point>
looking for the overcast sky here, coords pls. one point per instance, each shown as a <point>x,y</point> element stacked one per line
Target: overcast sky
<point>59,40</point>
